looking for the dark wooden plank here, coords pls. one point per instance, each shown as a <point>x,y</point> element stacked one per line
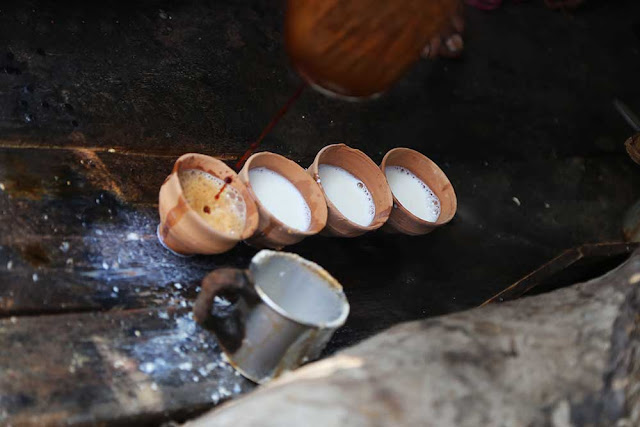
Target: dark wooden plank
<point>110,367</point>
<point>490,244</point>
<point>216,72</point>
<point>66,173</point>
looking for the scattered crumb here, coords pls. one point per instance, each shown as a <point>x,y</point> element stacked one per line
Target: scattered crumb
<point>111,150</point>
<point>547,205</point>
<point>516,200</point>
<point>68,182</point>
<point>634,279</point>
<point>116,289</point>
<point>136,333</point>
<point>9,265</point>
<point>13,319</point>
<point>34,277</point>
<point>163,315</point>
<point>133,236</point>
<point>177,285</point>
<point>45,217</point>
<point>148,367</point>
<point>118,364</point>
<point>105,265</point>
<point>2,187</point>
<point>154,386</point>
<point>186,366</point>
<point>64,246</point>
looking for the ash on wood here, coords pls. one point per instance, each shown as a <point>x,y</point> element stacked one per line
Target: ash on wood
<point>570,357</point>
<point>89,368</point>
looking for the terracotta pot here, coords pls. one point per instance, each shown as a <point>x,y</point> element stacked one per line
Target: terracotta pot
<point>358,48</point>
<point>272,232</point>
<point>181,229</point>
<point>361,166</point>
<point>403,221</point>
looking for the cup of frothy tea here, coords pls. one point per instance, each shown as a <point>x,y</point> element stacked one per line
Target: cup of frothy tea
<point>423,197</point>
<point>356,192</point>
<point>204,207</point>
<point>290,203</point>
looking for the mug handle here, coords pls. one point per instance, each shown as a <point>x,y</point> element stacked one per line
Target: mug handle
<point>228,329</point>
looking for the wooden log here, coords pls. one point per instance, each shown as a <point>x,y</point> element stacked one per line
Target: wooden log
<point>569,357</point>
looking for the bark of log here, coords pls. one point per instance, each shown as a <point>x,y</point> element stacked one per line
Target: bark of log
<point>567,358</point>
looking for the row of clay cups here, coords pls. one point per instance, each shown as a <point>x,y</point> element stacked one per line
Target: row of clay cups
<point>183,231</point>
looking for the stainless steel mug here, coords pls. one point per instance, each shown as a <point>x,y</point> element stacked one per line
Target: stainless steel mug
<point>283,311</point>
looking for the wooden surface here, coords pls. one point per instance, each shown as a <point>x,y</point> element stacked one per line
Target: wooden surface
<point>97,367</point>
<point>97,102</point>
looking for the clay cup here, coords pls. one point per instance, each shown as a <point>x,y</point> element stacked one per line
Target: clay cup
<point>362,167</point>
<point>181,229</point>
<point>271,232</point>
<point>403,221</point>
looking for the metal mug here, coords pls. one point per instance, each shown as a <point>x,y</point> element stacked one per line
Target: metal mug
<point>283,311</point>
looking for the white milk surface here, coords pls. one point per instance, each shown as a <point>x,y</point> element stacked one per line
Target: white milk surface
<point>281,198</point>
<point>348,194</point>
<point>413,193</point>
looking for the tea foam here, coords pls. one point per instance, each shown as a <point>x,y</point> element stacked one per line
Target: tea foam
<point>348,194</point>
<point>413,193</point>
<point>280,197</point>
<point>226,214</point>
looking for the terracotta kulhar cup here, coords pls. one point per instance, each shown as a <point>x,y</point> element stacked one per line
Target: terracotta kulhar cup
<point>403,221</point>
<point>271,232</point>
<point>181,229</point>
<point>362,167</point>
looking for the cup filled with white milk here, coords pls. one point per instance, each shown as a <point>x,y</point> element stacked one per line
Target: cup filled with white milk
<point>290,202</point>
<point>356,192</point>
<point>423,197</point>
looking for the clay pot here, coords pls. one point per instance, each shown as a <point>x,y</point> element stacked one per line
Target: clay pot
<point>272,232</point>
<point>361,166</point>
<point>403,221</point>
<point>181,229</point>
<point>359,48</point>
